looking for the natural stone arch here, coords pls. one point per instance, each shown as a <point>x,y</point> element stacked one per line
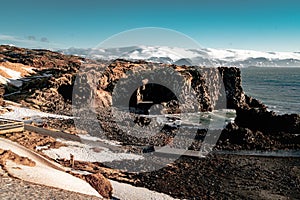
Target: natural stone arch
<point>152,94</point>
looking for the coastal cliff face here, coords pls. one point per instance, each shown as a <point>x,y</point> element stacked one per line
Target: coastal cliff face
<point>40,58</point>
<point>167,88</point>
<point>213,88</point>
<point>48,84</point>
<point>196,88</point>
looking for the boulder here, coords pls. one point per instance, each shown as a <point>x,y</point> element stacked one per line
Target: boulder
<point>100,184</point>
<point>267,121</point>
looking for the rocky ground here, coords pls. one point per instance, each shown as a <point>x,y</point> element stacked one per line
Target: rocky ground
<point>13,189</point>
<point>32,140</point>
<point>215,177</point>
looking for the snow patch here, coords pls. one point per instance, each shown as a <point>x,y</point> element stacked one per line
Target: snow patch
<point>95,139</point>
<point>39,148</point>
<point>20,113</point>
<point>29,69</point>
<point>43,172</point>
<point>3,80</point>
<point>128,192</point>
<point>12,73</point>
<point>84,152</point>
<point>201,56</point>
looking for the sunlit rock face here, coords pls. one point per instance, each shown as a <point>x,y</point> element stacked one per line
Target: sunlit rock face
<point>140,85</point>
<point>58,83</point>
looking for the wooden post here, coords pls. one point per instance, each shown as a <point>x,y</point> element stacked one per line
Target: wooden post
<point>72,160</point>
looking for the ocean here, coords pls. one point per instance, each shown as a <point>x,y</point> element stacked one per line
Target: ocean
<point>276,87</point>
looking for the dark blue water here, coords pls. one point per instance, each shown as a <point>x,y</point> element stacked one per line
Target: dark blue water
<point>278,88</point>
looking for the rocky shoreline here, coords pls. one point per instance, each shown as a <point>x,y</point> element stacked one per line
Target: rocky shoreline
<point>214,177</point>
<point>50,88</point>
<point>253,128</point>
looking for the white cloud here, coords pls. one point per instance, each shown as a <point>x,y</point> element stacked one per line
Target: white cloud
<point>11,38</point>
<point>29,41</point>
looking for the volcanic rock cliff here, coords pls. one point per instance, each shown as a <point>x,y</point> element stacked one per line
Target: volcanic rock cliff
<point>196,89</point>
<point>48,86</point>
<point>214,88</point>
<point>143,87</point>
<point>57,72</point>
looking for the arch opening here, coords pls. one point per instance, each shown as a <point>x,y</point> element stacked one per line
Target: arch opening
<point>153,99</point>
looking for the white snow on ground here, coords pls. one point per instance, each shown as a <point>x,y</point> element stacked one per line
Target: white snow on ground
<point>14,82</point>
<point>84,152</point>
<point>12,73</point>
<point>92,138</point>
<point>128,192</point>
<point>39,148</point>
<point>51,177</point>
<point>19,113</point>
<point>3,80</point>
<point>170,52</point>
<point>29,69</point>
<point>44,172</point>
<point>173,54</point>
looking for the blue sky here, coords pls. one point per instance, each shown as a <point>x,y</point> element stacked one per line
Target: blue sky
<point>237,24</point>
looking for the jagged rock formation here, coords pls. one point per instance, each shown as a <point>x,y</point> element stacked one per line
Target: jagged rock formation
<point>268,121</point>
<point>146,88</point>
<point>214,88</point>
<point>50,88</point>
<point>40,58</point>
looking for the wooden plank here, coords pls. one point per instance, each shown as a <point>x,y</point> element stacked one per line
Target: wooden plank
<point>175,152</point>
<point>12,130</point>
<point>10,126</point>
<point>145,102</point>
<point>3,126</point>
<point>55,134</point>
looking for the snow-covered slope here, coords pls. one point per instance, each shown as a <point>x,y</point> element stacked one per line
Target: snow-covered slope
<point>11,72</point>
<point>204,56</point>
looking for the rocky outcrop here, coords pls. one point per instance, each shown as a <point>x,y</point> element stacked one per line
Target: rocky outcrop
<point>213,88</point>
<point>101,184</point>
<point>9,155</point>
<point>255,127</point>
<point>236,137</point>
<point>268,121</point>
<point>40,58</point>
<point>146,88</point>
<point>190,88</point>
<point>50,88</point>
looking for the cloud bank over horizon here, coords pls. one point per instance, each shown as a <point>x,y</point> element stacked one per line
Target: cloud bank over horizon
<point>256,25</point>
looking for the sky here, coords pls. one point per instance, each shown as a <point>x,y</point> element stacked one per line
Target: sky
<point>266,25</point>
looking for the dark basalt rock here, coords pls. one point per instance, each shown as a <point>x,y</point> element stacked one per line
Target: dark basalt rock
<point>209,85</point>
<point>268,121</point>
<point>199,88</point>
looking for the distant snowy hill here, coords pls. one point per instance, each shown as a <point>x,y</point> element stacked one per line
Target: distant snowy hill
<point>204,56</point>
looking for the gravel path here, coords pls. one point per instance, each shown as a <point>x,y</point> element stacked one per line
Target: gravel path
<point>11,188</point>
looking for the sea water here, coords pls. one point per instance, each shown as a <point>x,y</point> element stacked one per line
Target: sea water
<point>276,87</point>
